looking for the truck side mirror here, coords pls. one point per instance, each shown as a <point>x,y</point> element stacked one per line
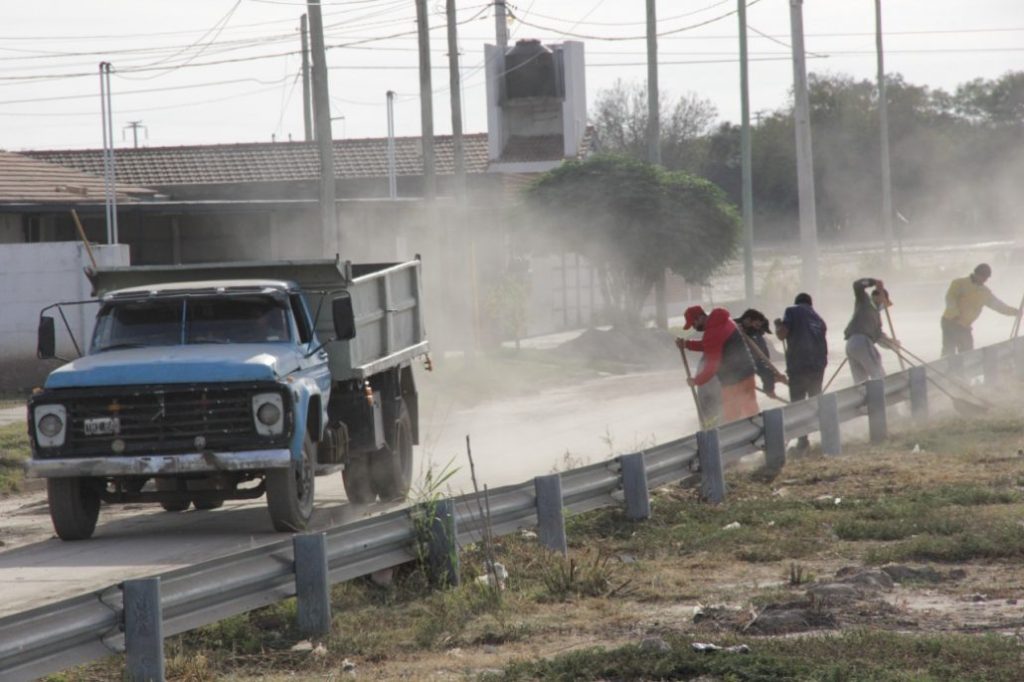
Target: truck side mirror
<point>344,318</point>
<point>46,346</point>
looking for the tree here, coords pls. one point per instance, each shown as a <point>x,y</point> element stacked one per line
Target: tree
<point>620,120</point>
<point>633,220</point>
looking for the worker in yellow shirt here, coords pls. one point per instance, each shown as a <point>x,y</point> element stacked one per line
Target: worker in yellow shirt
<point>964,301</point>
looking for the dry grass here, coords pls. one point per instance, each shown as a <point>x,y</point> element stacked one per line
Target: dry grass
<point>952,505</point>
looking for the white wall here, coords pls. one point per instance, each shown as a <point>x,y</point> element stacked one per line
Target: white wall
<point>33,276</point>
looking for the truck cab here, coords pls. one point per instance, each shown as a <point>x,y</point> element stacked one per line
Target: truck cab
<point>199,391</point>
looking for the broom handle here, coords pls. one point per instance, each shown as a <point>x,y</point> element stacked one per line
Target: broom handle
<point>760,354</point>
<point>1016,321</point>
<point>892,333</point>
<point>834,375</point>
<point>693,389</point>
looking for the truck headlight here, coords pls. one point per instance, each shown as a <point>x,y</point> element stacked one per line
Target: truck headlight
<point>51,425</point>
<point>268,414</point>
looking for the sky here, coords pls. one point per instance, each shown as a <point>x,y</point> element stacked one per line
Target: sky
<point>226,71</point>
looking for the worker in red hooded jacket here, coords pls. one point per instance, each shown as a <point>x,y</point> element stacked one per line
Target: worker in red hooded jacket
<point>725,356</point>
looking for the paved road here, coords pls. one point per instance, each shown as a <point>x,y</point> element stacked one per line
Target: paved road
<point>512,440</point>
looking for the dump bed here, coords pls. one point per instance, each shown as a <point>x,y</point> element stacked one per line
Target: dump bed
<point>386,299</point>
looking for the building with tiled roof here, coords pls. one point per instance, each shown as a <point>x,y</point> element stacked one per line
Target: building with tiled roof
<point>25,180</point>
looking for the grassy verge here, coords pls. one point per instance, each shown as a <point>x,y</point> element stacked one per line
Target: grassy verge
<point>14,450</point>
<point>949,494</point>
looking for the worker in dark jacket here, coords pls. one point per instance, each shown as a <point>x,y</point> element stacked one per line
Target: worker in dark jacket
<point>865,330</point>
<point>755,325</point>
<point>803,331</point>
<point>725,356</point>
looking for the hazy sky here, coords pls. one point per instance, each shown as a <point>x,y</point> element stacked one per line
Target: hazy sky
<point>222,71</point>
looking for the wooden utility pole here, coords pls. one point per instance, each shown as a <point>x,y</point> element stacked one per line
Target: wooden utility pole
<point>307,104</point>
<point>804,155</point>
<point>654,144</point>
<point>883,124</point>
<point>455,88</point>
<point>324,137</point>
<point>426,102</point>
<point>745,155</point>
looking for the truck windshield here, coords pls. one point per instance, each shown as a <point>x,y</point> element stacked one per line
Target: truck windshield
<point>194,320</point>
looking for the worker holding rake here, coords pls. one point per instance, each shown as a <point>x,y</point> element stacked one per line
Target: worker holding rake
<point>725,356</point>
<point>964,300</point>
<point>865,330</point>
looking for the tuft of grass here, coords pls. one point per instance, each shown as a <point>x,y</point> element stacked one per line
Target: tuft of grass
<point>14,451</point>
<point>1000,540</point>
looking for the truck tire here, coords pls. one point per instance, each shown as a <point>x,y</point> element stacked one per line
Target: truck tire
<point>356,478</point>
<point>166,485</point>
<point>391,466</point>
<point>74,506</point>
<point>207,505</point>
<point>290,491</point>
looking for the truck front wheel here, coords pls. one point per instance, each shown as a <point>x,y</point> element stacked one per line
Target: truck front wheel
<point>391,466</point>
<point>290,491</point>
<point>74,506</point>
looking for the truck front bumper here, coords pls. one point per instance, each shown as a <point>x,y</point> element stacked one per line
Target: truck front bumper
<point>161,465</point>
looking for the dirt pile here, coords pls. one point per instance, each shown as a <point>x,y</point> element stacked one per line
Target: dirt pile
<point>635,348</point>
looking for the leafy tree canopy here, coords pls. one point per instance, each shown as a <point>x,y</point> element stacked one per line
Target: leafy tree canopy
<point>633,220</point>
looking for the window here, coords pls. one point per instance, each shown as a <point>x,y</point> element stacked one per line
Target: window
<point>301,319</point>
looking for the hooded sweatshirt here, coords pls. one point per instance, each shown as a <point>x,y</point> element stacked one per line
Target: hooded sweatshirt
<point>725,351</point>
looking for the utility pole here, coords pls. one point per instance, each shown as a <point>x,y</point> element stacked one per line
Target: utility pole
<point>654,145</point>
<point>426,102</point>
<point>500,25</point>
<point>804,156</point>
<point>455,88</point>
<point>883,124</point>
<point>307,104</point>
<point>745,155</point>
<point>324,137</point>
<point>392,173</point>
<point>109,162</point>
<point>134,125</point>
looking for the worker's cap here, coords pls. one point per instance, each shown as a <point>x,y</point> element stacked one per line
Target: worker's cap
<point>691,315</point>
<point>756,316</point>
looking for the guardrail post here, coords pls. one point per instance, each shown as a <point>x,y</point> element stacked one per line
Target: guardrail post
<point>919,392</point>
<point>828,424</point>
<point>143,630</point>
<point>956,365</point>
<point>990,365</point>
<point>712,478</point>
<point>312,591</point>
<point>443,553</point>
<point>774,439</point>
<point>1018,356</point>
<point>634,486</point>
<point>877,426</point>
<point>550,520</point>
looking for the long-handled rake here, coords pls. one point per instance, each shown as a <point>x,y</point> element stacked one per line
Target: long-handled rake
<point>1016,320</point>
<point>693,389</point>
<point>962,405</point>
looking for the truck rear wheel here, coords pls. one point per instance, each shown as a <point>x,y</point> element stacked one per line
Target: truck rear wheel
<point>290,491</point>
<point>74,506</point>
<point>356,478</point>
<point>170,485</point>
<point>391,466</point>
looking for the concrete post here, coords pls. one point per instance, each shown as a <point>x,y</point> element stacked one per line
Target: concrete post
<point>312,591</point>
<point>634,486</point>
<point>712,478</point>
<point>919,392</point>
<point>143,630</point>
<point>443,553</point>
<point>990,365</point>
<point>774,439</point>
<point>877,426</point>
<point>1018,356</point>
<point>828,424</point>
<point>550,521</point>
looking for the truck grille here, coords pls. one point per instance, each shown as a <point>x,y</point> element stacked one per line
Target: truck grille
<point>163,420</point>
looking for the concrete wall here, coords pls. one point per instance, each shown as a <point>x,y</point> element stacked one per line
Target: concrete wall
<point>33,276</point>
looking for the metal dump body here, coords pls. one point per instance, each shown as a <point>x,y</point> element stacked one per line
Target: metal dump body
<point>386,299</point>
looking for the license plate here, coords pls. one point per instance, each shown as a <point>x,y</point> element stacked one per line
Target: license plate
<point>102,426</point>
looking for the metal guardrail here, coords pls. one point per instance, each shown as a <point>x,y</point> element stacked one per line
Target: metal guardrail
<point>86,628</point>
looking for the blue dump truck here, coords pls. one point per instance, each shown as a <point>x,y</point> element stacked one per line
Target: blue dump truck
<point>214,382</point>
